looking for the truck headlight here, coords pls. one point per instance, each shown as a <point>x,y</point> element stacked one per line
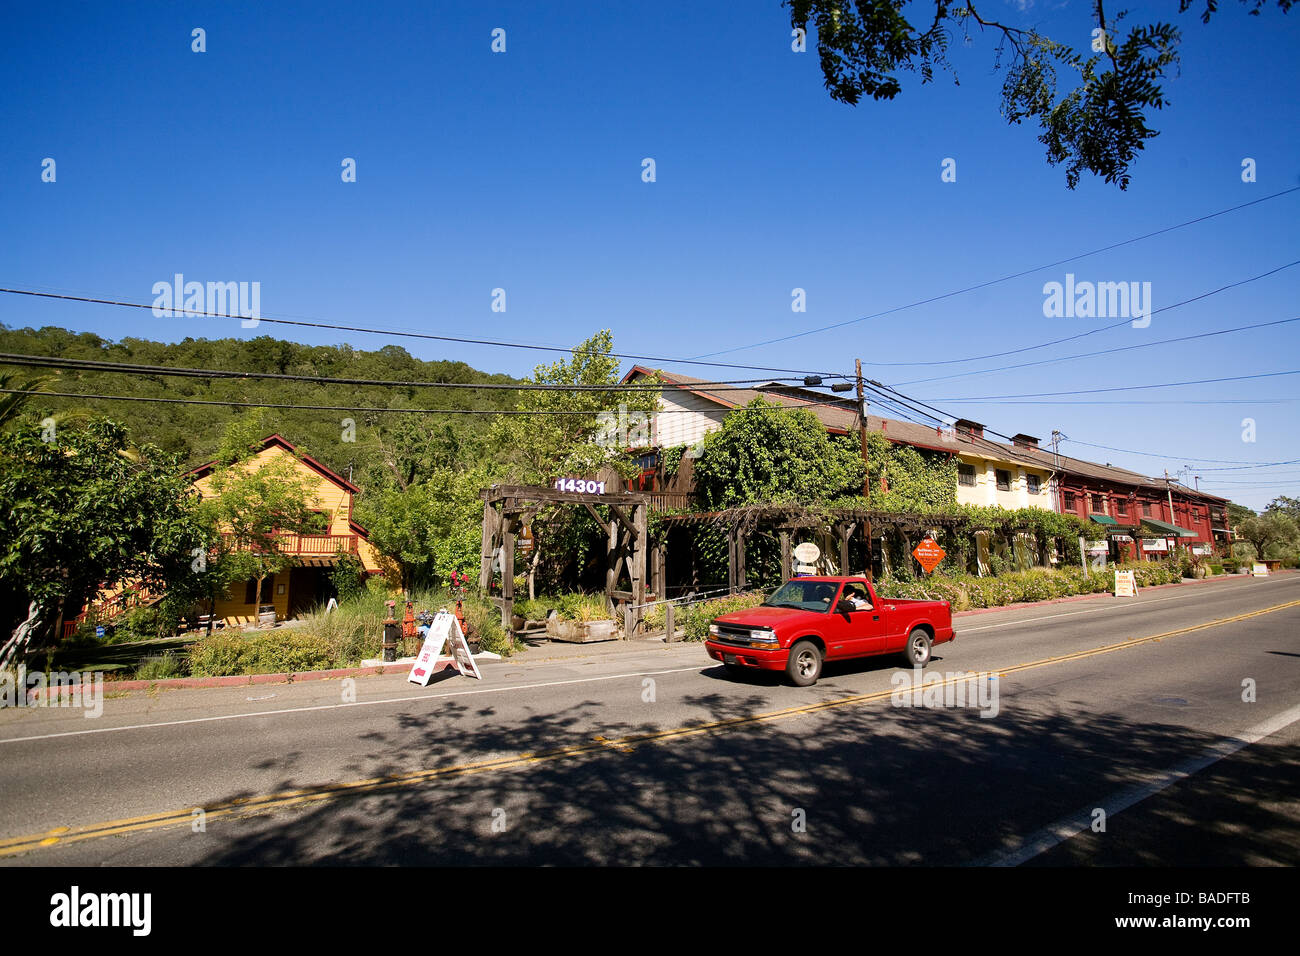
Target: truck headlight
<point>763,635</point>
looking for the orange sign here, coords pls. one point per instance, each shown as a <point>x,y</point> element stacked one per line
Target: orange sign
<point>929,554</point>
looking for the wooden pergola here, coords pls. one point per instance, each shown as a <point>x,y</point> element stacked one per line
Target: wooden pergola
<point>506,508</point>
<point>788,519</point>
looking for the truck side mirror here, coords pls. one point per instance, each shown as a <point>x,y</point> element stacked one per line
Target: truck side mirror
<point>845,607</point>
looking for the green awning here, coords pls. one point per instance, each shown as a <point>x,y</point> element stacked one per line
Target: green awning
<point>1103,519</point>
<point>1165,528</point>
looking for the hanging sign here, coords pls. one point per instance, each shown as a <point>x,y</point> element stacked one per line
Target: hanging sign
<point>1155,544</point>
<point>807,553</point>
<point>928,554</point>
<point>1126,584</point>
<point>444,631</point>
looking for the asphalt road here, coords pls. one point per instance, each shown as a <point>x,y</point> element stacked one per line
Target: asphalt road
<point>1133,707</point>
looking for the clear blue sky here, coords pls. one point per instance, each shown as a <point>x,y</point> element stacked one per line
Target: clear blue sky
<point>523,171</point>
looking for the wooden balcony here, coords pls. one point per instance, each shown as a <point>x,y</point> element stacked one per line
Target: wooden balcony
<point>305,545</point>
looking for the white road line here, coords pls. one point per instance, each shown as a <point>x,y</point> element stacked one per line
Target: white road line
<point>1048,837</point>
<point>1048,617</point>
<point>359,703</point>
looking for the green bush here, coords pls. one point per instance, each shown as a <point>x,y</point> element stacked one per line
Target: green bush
<point>695,618</point>
<point>280,651</point>
<point>161,667</point>
<point>569,607</point>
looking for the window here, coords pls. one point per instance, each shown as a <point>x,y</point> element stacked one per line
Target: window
<point>250,590</point>
<point>1031,482</point>
<point>1098,504</point>
<point>1069,500</point>
<point>1004,480</point>
<point>1146,509</point>
<point>965,474</point>
<point>1121,506</point>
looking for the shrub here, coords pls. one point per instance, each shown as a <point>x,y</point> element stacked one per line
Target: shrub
<point>161,667</point>
<point>281,651</point>
<point>695,618</point>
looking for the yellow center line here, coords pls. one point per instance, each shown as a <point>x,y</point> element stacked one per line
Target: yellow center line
<point>626,744</point>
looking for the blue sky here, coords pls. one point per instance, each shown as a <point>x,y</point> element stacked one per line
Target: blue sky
<point>522,171</point>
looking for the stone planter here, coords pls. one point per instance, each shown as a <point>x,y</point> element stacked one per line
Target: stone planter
<point>581,632</point>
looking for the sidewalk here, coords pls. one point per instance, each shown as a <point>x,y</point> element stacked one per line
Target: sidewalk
<point>536,649</point>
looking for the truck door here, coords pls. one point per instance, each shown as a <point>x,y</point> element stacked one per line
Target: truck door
<point>864,628</point>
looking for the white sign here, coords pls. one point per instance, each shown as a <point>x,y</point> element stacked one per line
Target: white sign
<point>1259,570</point>
<point>1126,584</point>
<point>1200,549</point>
<point>1098,546</point>
<point>1155,544</point>
<point>445,630</point>
<point>808,553</point>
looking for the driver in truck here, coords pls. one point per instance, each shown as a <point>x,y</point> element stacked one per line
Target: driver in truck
<point>854,596</point>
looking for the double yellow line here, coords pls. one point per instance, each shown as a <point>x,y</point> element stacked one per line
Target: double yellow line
<point>245,806</point>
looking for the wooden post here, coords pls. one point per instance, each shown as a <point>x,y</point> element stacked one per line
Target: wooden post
<point>669,625</point>
<point>731,560</point>
<point>508,573</point>
<point>741,580</point>
<point>637,564</point>
<point>489,545</point>
<point>785,556</point>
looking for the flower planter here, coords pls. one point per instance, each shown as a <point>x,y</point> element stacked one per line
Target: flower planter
<point>581,632</point>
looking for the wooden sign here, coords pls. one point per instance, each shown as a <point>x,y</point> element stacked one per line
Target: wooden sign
<point>928,554</point>
<point>444,631</point>
<point>1126,584</point>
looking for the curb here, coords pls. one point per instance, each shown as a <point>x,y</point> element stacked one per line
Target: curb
<point>293,677</point>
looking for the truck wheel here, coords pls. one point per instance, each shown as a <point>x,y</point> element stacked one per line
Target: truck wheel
<point>918,648</point>
<point>804,665</point>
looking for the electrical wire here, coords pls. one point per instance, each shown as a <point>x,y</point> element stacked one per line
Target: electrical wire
<point>1007,278</point>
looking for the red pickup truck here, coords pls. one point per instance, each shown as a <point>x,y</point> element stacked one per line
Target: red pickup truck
<point>810,620</point>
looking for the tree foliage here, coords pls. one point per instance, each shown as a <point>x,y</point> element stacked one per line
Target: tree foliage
<point>561,432</point>
<point>85,511</point>
<point>1094,120</point>
<point>1273,529</point>
<point>767,453</point>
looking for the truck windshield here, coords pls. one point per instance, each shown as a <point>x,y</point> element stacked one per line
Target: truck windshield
<point>804,595</point>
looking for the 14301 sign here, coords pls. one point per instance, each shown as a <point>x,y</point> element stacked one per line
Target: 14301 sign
<point>582,486</point>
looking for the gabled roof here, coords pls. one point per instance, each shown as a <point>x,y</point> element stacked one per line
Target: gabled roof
<point>307,460</point>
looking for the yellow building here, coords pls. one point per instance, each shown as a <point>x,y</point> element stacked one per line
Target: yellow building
<point>306,582</point>
<point>992,474</point>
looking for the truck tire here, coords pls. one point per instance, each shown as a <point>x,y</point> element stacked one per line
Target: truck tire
<point>804,664</point>
<point>919,648</point>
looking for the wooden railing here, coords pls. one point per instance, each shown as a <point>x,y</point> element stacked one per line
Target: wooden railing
<point>670,501</point>
<point>304,544</point>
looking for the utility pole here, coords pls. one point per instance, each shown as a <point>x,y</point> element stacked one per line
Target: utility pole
<point>1170,495</point>
<point>1197,479</point>
<point>862,434</point>
<point>1056,470</point>
<point>866,465</point>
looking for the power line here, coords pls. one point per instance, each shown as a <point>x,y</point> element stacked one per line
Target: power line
<point>991,282</point>
<point>188,313</point>
<point>373,408</point>
<point>1125,388</point>
<point>1151,454</point>
<point>95,365</point>
<point>1122,348</point>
